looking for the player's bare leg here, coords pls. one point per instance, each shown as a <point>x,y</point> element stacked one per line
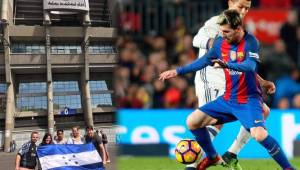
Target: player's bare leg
<point>199,119</point>
<point>243,137</point>
<point>197,122</point>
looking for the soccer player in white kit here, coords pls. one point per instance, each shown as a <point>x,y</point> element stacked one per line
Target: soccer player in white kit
<point>210,82</point>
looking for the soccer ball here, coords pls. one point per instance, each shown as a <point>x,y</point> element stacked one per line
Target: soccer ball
<point>187,151</point>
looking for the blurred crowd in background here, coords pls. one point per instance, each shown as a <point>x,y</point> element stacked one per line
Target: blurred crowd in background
<point>143,57</point>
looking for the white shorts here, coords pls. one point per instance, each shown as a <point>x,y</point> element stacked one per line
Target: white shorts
<point>208,94</point>
<point>209,84</point>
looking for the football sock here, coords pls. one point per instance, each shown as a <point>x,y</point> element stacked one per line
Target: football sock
<point>213,132</point>
<point>276,152</point>
<point>202,137</point>
<point>240,141</point>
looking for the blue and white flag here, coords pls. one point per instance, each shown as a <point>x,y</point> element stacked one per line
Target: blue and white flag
<point>69,157</point>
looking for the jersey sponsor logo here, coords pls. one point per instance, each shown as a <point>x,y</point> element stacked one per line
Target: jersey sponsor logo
<point>234,72</point>
<point>233,55</point>
<point>224,54</point>
<point>253,55</point>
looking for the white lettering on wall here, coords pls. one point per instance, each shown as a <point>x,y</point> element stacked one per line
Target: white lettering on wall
<point>144,134</point>
<point>169,135</point>
<point>269,27</point>
<point>290,130</point>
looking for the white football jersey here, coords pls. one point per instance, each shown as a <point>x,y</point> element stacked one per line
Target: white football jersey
<point>208,79</point>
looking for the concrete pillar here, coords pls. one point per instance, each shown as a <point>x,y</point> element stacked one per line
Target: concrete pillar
<point>10,97</point>
<point>88,113</point>
<point>9,117</point>
<point>4,11</point>
<point>47,20</point>
<point>86,19</point>
<point>49,83</point>
<point>50,108</point>
<point>85,77</point>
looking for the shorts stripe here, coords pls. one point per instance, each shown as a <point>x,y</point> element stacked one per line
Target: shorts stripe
<point>205,82</point>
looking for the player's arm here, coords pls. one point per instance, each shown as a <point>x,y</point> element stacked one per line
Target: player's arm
<point>205,37</point>
<point>246,66</point>
<point>17,163</point>
<point>267,85</point>
<point>197,64</point>
<point>103,155</point>
<point>194,66</point>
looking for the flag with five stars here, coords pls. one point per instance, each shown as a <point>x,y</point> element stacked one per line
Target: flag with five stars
<point>69,157</point>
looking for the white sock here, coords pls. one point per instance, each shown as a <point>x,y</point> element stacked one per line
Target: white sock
<point>194,165</point>
<point>240,141</point>
<point>213,132</point>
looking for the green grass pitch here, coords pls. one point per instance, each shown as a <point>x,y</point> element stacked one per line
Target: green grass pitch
<point>164,163</point>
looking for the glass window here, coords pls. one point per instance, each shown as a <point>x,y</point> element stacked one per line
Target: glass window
<point>62,100</point>
<point>98,85</point>
<point>32,103</point>
<point>36,101</point>
<point>103,99</point>
<point>66,49</point>
<point>2,97</point>
<point>35,87</point>
<point>2,88</point>
<point>103,48</point>
<point>65,86</point>
<point>70,101</point>
<point>28,48</point>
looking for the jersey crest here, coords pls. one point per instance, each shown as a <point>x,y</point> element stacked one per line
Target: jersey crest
<point>232,55</point>
<point>240,55</point>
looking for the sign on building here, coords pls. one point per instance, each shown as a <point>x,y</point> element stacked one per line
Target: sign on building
<point>66,5</point>
<point>67,111</point>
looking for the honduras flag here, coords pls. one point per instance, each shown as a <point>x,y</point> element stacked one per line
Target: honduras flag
<point>69,157</point>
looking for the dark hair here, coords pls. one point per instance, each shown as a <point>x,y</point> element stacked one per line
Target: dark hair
<point>230,17</point>
<point>45,137</point>
<point>89,128</point>
<point>60,130</point>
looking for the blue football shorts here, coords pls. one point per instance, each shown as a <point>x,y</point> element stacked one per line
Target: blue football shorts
<point>249,114</point>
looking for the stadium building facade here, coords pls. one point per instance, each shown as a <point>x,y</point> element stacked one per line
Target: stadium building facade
<point>56,64</point>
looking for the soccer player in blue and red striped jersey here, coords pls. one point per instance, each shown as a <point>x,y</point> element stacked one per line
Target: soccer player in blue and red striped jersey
<point>237,52</point>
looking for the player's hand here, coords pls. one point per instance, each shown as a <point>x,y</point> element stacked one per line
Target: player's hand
<point>269,87</point>
<point>217,63</point>
<point>104,163</point>
<point>167,75</point>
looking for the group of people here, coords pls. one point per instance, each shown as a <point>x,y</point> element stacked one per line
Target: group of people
<point>27,158</point>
